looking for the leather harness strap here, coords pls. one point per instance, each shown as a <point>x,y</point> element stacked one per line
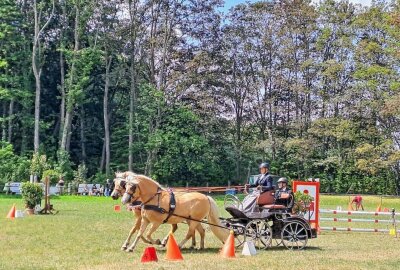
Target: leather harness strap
<point>157,208</point>
<point>172,205</point>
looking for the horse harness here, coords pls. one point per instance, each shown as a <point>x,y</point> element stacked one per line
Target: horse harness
<point>157,208</point>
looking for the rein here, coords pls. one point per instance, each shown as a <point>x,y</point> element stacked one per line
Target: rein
<point>157,208</point>
<point>161,210</point>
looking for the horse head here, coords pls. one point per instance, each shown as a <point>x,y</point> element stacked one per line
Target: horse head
<point>119,187</point>
<point>131,190</point>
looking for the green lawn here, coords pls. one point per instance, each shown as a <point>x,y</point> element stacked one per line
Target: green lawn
<point>87,234</point>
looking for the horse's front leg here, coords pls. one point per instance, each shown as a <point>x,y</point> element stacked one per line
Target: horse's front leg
<point>154,227</point>
<point>173,229</point>
<point>132,231</point>
<point>143,228</point>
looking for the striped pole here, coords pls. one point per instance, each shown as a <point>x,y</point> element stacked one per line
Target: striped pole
<point>357,220</point>
<point>335,212</point>
<point>354,229</point>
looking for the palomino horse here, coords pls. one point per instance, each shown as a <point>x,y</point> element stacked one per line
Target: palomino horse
<point>119,190</point>
<point>191,207</point>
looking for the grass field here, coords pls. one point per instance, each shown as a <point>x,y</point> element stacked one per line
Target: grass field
<point>87,234</point>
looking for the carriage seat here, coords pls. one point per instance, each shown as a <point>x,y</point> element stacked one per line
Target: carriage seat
<point>277,206</point>
<point>266,198</point>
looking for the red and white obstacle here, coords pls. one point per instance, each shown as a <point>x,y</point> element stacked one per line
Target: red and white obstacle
<point>391,221</point>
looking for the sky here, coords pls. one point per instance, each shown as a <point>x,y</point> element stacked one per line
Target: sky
<point>231,3</point>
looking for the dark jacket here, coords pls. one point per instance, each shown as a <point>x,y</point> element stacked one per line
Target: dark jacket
<point>286,202</point>
<point>264,180</point>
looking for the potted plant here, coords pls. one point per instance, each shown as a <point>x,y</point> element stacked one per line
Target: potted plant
<point>32,195</point>
<point>302,202</point>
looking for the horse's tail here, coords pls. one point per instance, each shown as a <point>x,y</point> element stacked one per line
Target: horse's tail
<point>213,218</point>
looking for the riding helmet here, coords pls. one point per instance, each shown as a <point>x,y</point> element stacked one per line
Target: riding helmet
<point>264,165</point>
<point>282,180</point>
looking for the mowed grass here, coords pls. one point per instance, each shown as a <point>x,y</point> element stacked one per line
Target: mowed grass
<point>87,234</point>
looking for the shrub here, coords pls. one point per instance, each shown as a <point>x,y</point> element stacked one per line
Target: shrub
<point>32,194</point>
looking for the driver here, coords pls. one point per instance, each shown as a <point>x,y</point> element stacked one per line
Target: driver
<point>264,180</point>
<point>280,197</point>
<point>263,183</point>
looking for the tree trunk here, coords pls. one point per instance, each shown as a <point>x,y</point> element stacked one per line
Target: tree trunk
<point>37,68</point>
<point>66,134</point>
<point>106,119</point>
<point>10,120</point>
<point>62,71</point>
<point>103,154</point>
<point>82,131</point>
<point>3,122</point>
<point>132,97</point>
<point>36,73</point>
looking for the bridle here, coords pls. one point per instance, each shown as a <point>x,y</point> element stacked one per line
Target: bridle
<point>136,186</point>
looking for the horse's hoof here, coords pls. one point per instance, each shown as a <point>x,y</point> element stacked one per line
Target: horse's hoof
<point>123,248</point>
<point>129,250</point>
<point>158,242</point>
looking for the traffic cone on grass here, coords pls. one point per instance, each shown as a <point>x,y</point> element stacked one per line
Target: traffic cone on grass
<point>228,250</point>
<point>11,213</point>
<point>149,255</point>
<point>249,249</point>
<point>173,252</point>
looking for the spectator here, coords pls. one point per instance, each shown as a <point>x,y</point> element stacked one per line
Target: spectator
<point>101,190</point>
<point>107,188</point>
<point>94,190</point>
<point>61,185</point>
<point>85,190</point>
<point>7,188</point>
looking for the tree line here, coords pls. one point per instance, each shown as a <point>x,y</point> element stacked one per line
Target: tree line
<point>184,92</point>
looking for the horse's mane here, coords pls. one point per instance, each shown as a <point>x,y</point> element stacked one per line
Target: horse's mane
<point>132,175</point>
<point>144,177</point>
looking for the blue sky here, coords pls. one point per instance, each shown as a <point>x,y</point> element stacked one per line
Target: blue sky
<point>231,3</point>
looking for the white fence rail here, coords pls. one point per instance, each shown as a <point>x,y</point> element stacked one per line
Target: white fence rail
<point>392,221</point>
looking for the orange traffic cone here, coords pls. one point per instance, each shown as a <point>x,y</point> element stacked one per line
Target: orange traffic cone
<point>173,252</point>
<point>228,250</point>
<point>11,214</point>
<point>379,208</point>
<point>149,255</point>
<point>117,208</point>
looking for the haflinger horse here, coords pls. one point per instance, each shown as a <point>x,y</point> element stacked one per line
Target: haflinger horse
<point>118,191</point>
<point>192,207</point>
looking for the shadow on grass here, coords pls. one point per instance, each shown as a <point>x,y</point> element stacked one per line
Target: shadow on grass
<point>192,250</point>
<point>280,247</point>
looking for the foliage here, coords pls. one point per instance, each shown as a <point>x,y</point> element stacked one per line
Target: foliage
<point>64,165</point>
<point>80,174</point>
<point>53,176</point>
<point>12,167</point>
<point>32,194</point>
<point>193,94</point>
<point>39,164</point>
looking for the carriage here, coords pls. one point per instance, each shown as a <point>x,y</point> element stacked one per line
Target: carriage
<point>271,223</point>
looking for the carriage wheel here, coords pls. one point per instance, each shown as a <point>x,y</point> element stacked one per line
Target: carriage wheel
<point>294,235</point>
<point>259,232</point>
<point>239,232</point>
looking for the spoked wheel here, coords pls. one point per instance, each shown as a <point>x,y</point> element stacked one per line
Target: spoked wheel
<point>239,232</point>
<point>259,232</point>
<point>294,235</point>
